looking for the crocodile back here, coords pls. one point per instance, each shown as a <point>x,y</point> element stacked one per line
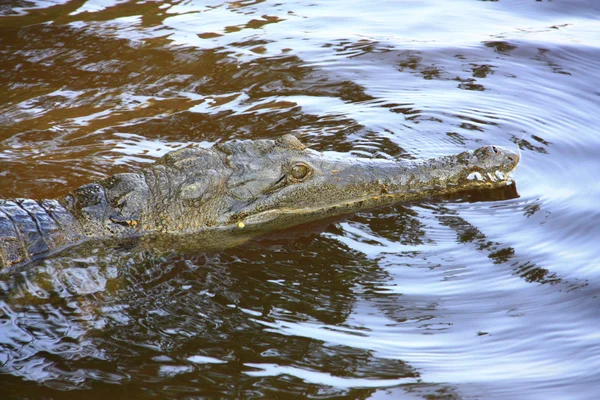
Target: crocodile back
<point>30,229</point>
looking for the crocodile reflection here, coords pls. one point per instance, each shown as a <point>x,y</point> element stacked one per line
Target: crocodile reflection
<point>217,304</point>
<point>234,191</point>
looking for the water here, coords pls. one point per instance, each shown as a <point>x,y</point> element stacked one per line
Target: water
<point>485,296</point>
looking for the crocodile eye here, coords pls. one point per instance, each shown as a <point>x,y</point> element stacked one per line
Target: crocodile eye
<point>299,172</point>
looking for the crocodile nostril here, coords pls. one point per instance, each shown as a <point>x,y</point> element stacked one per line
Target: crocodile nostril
<point>495,149</point>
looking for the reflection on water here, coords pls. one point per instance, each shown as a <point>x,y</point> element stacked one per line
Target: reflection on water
<point>486,295</point>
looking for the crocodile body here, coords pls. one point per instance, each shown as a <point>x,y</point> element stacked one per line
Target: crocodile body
<point>241,186</point>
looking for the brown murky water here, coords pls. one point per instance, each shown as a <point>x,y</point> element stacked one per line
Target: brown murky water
<point>489,296</point>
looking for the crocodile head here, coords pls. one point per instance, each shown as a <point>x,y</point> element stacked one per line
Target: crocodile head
<point>271,184</point>
<point>278,183</point>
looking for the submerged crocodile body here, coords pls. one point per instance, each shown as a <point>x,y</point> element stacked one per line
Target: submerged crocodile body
<point>235,189</point>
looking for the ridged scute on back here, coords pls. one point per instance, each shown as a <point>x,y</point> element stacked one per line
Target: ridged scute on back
<point>248,148</point>
<point>291,142</point>
<point>183,157</point>
<point>257,148</point>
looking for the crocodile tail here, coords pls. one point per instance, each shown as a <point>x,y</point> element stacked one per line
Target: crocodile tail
<point>30,229</point>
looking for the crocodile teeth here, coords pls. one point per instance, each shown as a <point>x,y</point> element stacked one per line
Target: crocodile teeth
<point>475,176</point>
<point>509,178</point>
<point>500,175</point>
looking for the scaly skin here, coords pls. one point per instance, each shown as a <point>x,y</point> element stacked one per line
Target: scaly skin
<point>248,186</point>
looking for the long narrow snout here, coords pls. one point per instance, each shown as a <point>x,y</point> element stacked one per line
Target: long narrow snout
<point>338,186</point>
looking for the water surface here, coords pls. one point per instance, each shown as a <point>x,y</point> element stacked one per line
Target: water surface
<point>487,295</point>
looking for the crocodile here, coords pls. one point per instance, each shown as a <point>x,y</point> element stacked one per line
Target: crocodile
<point>236,189</point>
